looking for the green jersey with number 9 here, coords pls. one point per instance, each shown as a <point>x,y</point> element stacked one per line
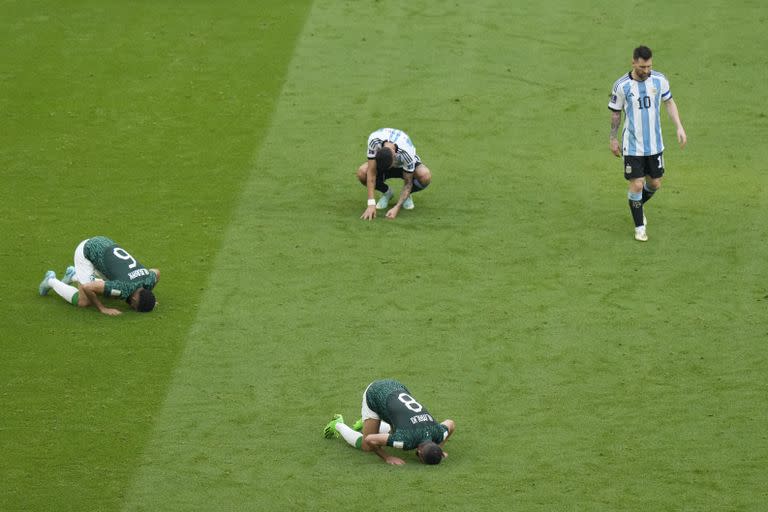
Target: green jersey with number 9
<point>410,421</point>
<point>123,274</point>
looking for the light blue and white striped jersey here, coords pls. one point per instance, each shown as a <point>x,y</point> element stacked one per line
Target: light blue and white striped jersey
<point>641,103</point>
<point>405,156</point>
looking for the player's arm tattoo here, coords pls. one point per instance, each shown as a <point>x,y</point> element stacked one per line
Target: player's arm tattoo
<point>407,187</point>
<point>408,181</point>
<point>615,122</point>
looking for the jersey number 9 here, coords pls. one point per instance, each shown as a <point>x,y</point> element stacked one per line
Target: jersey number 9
<point>123,255</point>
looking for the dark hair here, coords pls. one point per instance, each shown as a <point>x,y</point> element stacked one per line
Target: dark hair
<point>146,301</point>
<point>431,453</point>
<point>384,159</point>
<point>642,52</point>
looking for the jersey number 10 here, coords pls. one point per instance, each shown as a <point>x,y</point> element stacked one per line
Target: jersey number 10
<point>644,102</point>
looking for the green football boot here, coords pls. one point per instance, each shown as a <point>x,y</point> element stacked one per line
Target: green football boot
<point>330,429</point>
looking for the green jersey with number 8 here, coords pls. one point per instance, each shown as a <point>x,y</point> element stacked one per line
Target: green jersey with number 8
<point>123,274</point>
<point>410,421</point>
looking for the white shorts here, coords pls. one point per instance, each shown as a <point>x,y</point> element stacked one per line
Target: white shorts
<point>85,272</point>
<point>365,412</point>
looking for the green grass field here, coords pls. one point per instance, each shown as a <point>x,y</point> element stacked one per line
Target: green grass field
<point>218,141</point>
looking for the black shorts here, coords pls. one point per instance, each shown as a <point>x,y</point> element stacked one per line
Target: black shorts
<point>393,172</point>
<point>642,166</point>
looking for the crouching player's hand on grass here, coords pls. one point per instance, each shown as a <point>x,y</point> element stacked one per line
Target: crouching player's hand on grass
<point>369,213</point>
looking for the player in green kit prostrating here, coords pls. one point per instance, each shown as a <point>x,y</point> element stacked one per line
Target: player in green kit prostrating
<point>104,268</point>
<point>392,417</point>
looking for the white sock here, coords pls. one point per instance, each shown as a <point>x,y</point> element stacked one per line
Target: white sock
<point>349,435</point>
<point>64,291</point>
<point>384,428</point>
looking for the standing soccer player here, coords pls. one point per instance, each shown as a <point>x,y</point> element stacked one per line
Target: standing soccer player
<point>640,94</point>
<point>391,154</point>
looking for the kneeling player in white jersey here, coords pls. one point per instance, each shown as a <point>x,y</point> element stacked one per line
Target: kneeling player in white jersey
<point>391,154</point>
<point>104,268</point>
<point>392,417</point>
<point>640,94</point>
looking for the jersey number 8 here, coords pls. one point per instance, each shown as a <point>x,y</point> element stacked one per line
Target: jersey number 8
<point>409,402</point>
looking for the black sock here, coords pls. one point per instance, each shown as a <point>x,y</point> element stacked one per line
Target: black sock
<point>647,194</point>
<point>382,187</point>
<point>636,207</point>
<point>417,186</point>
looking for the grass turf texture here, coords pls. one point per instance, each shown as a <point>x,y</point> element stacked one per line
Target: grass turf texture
<point>585,371</point>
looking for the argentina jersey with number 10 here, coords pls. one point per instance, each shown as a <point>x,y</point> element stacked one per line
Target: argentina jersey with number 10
<point>641,103</point>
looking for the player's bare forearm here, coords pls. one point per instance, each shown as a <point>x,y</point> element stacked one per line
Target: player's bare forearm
<point>88,291</point>
<point>389,459</point>
<point>370,183</point>
<point>614,136</point>
<point>407,187</point>
<point>381,453</point>
<point>92,298</point>
<point>615,122</point>
<point>91,291</point>
<point>682,138</point>
<point>451,426</point>
<point>673,112</point>
<point>375,443</point>
<point>370,176</point>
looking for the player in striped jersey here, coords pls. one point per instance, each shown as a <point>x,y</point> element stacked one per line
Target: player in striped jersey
<point>104,268</point>
<point>640,94</point>
<point>392,417</point>
<point>391,154</point>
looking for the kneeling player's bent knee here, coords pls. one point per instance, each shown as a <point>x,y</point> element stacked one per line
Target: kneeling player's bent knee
<point>362,173</point>
<point>423,174</point>
<point>82,298</point>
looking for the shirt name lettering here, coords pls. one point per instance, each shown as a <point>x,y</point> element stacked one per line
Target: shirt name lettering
<point>138,273</point>
<point>421,418</point>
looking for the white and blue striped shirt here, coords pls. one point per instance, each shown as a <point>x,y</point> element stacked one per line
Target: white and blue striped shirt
<point>405,156</point>
<point>641,103</point>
